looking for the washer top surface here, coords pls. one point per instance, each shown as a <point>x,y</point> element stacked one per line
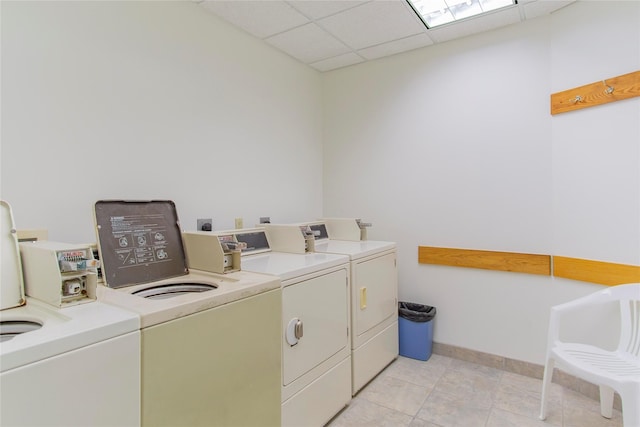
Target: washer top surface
<point>229,287</point>
<point>62,330</point>
<point>289,266</point>
<point>355,249</point>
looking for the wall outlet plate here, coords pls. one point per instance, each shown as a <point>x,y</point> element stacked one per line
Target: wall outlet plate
<point>204,224</point>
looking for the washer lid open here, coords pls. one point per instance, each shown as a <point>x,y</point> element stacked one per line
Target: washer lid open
<point>139,241</point>
<point>11,280</point>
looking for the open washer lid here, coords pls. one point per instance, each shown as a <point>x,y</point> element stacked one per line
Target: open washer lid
<point>11,280</point>
<point>139,241</point>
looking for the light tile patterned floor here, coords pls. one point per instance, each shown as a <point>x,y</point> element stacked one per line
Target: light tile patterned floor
<point>446,392</point>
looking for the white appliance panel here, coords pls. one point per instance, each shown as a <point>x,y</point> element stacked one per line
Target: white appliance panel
<point>355,250</point>
<point>97,385</point>
<point>374,292</point>
<point>321,402</point>
<point>62,330</point>
<point>289,266</point>
<point>321,304</point>
<point>372,356</point>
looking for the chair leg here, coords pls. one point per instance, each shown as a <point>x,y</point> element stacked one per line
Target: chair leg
<point>630,408</point>
<point>606,401</point>
<point>546,383</point>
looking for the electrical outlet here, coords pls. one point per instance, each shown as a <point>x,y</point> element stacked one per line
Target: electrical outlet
<point>239,223</point>
<point>205,224</point>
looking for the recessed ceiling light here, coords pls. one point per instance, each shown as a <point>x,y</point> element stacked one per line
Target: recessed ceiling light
<point>440,12</point>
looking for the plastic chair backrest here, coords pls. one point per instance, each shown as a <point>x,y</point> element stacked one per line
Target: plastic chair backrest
<point>629,297</point>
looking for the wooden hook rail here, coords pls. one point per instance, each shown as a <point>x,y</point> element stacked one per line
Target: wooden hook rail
<point>598,93</point>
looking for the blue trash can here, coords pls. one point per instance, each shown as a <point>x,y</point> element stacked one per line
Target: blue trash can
<point>415,330</point>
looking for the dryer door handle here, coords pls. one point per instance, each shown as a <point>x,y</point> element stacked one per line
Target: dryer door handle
<point>298,330</point>
<point>294,331</point>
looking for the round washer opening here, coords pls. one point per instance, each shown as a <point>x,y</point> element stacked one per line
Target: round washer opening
<point>12,328</point>
<point>173,290</point>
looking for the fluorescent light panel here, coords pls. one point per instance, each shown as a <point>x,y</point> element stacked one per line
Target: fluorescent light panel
<point>440,12</point>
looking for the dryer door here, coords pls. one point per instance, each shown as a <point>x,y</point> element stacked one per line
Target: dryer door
<point>374,295</point>
<point>315,322</point>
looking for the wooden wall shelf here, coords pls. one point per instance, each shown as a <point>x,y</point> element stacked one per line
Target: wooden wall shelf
<point>609,90</point>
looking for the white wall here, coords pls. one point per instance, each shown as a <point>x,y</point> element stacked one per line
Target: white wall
<point>141,100</point>
<point>454,145</point>
<point>596,151</point>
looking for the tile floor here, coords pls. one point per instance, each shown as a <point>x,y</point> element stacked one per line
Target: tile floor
<point>446,392</point>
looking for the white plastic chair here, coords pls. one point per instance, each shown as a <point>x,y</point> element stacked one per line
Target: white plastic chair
<point>617,370</point>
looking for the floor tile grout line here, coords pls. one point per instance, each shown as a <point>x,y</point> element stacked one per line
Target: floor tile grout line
<point>494,413</point>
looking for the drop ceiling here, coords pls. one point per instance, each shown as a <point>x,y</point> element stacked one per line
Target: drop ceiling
<point>331,34</point>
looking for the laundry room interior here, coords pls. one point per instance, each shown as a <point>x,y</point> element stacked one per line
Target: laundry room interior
<point>450,146</point>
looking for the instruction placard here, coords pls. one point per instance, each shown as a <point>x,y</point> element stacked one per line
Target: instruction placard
<point>139,242</point>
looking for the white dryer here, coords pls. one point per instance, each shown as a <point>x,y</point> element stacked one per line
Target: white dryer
<point>374,292</point>
<point>72,366</point>
<point>316,361</point>
<point>210,342</point>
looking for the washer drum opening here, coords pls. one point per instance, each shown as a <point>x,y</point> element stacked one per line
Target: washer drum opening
<point>12,328</point>
<point>173,290</point>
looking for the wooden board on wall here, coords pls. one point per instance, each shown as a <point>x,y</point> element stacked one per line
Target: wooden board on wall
<point>597,93</point>
<point>600,272</point>
<point>604,273</point>
<point>487,260</point>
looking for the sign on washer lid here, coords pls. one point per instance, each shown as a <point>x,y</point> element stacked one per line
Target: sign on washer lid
<point>139,241</point>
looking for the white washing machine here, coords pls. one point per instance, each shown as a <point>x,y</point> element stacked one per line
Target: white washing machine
<point>72,366</point>
<point>210,342</point>
<point>316,361</point>
<point>374,292</point>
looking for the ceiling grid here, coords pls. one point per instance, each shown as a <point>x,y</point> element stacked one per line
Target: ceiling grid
<point>331,34</point>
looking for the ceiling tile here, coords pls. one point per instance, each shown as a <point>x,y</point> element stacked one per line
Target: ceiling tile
<point>396,46</point>
<point>373,23</point>
<point>316,9</point>
<point>260,18</point>
<point>308,43</point>
<point>475,25</point>
<point>337,62</point>
<point>539,8</point>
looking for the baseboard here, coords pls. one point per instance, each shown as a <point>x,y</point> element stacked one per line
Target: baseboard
<point>522,368</point>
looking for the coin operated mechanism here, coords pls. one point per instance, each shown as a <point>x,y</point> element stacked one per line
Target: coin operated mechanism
<point>59,274</point>
<point>309,239</point>
<point>96,256</point>
<point>211,252</point>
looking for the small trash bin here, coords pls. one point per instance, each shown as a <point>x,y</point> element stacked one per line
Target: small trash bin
<point>415,330</point>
